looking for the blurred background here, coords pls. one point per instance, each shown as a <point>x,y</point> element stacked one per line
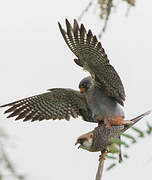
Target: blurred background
<point>34,58</point>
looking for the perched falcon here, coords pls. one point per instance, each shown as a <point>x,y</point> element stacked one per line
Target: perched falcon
<point>99,100</point>
<point>101,137</point>
<point>100,97</point>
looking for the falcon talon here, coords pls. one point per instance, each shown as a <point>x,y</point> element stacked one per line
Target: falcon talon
<point>103,156</point>
<point>108,125</point>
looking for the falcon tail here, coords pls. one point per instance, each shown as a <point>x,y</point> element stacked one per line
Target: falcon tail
<point>136,119</point>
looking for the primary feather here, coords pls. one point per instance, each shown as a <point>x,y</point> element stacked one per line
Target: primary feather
<point>92,57</point>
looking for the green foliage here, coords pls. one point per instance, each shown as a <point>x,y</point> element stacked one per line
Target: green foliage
<point>6,165</point>
<point>127,142</point>
<point>125,156</point>
<point>138,131</point>
<point>149,129</point>
<point>111,166</point>
<point>133,139</point>
<point>120,142</point>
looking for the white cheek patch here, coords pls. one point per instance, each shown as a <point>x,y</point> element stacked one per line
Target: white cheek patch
<point>90,140</point>
<point>87,144</point>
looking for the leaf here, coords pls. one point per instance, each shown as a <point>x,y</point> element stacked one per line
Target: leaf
<point>149,128</point>
<point>111,157</point>
<point>111,166</point>
<point>114,148</point>
<point>1,176</point>
<point>119,142</point>
<point>129,137</point>
<point>140,133</point>
<point>125,156</point>
<point>20,177</point>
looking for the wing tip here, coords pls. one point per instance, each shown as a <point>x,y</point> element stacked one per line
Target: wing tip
<point>9,104</point>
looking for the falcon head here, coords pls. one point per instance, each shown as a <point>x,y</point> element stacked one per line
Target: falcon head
<point>85,141</point>
<point>85,84</point>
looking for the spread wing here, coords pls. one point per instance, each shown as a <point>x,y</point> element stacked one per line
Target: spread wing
<point>92,57</point>
<point>57,104</point>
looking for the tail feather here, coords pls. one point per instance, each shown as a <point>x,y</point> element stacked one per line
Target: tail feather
<point>127,122</point>
<point>136,119</point>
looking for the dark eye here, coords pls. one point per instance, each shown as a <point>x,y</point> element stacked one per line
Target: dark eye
<point>84,85</point>
<point>82,140</point>
<point>91,136</point>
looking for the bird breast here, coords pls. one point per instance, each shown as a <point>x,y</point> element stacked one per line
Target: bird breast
<point>102,136</point>
<point>101,104</point>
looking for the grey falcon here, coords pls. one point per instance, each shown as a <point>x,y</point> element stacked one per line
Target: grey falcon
<point>100,97</point>
<point>104,91</point>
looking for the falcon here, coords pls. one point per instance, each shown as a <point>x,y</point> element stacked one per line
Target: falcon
<point>101,95</point>
<point>101,137</point>
<point>104,91</point>
<point>99,100</point>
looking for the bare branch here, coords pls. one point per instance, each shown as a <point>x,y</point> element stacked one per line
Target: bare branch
<point>105,7</point>
<point>100,166</point>
<point>109,6</point>
<point>85,10</point>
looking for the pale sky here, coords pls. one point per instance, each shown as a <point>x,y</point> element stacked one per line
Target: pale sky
<point>34,58</point>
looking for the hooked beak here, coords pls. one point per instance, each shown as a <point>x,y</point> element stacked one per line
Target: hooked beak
<point>77,142</point>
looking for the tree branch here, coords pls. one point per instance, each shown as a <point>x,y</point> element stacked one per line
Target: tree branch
<point>102,137</point>
<point>85,10</point>
<point>101,165</point>
<point>109,6</point>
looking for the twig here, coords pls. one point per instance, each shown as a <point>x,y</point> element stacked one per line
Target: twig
<point>10,166</point>
<point>85,10</point>
<point>100,170</point>
<point>100,166</point>
<point>103,135</point>
<point>109,6</point>
<point>128,10</point>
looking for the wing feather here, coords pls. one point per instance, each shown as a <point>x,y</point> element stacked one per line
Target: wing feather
<point>92,57</point>
<point>59,104</point>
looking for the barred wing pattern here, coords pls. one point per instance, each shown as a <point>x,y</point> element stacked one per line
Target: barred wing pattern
<point>59,104</point>
<point>92,57</point>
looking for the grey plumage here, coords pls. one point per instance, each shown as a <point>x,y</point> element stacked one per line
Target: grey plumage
<point>104,90</point>
<point>101,104</point>
<point>102,94</point>
<point>103,107</point>
<point>92,57</point>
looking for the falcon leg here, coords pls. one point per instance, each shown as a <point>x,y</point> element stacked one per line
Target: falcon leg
<point>103,154</point>
<point>107,123</point>
<point>116,121</point>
